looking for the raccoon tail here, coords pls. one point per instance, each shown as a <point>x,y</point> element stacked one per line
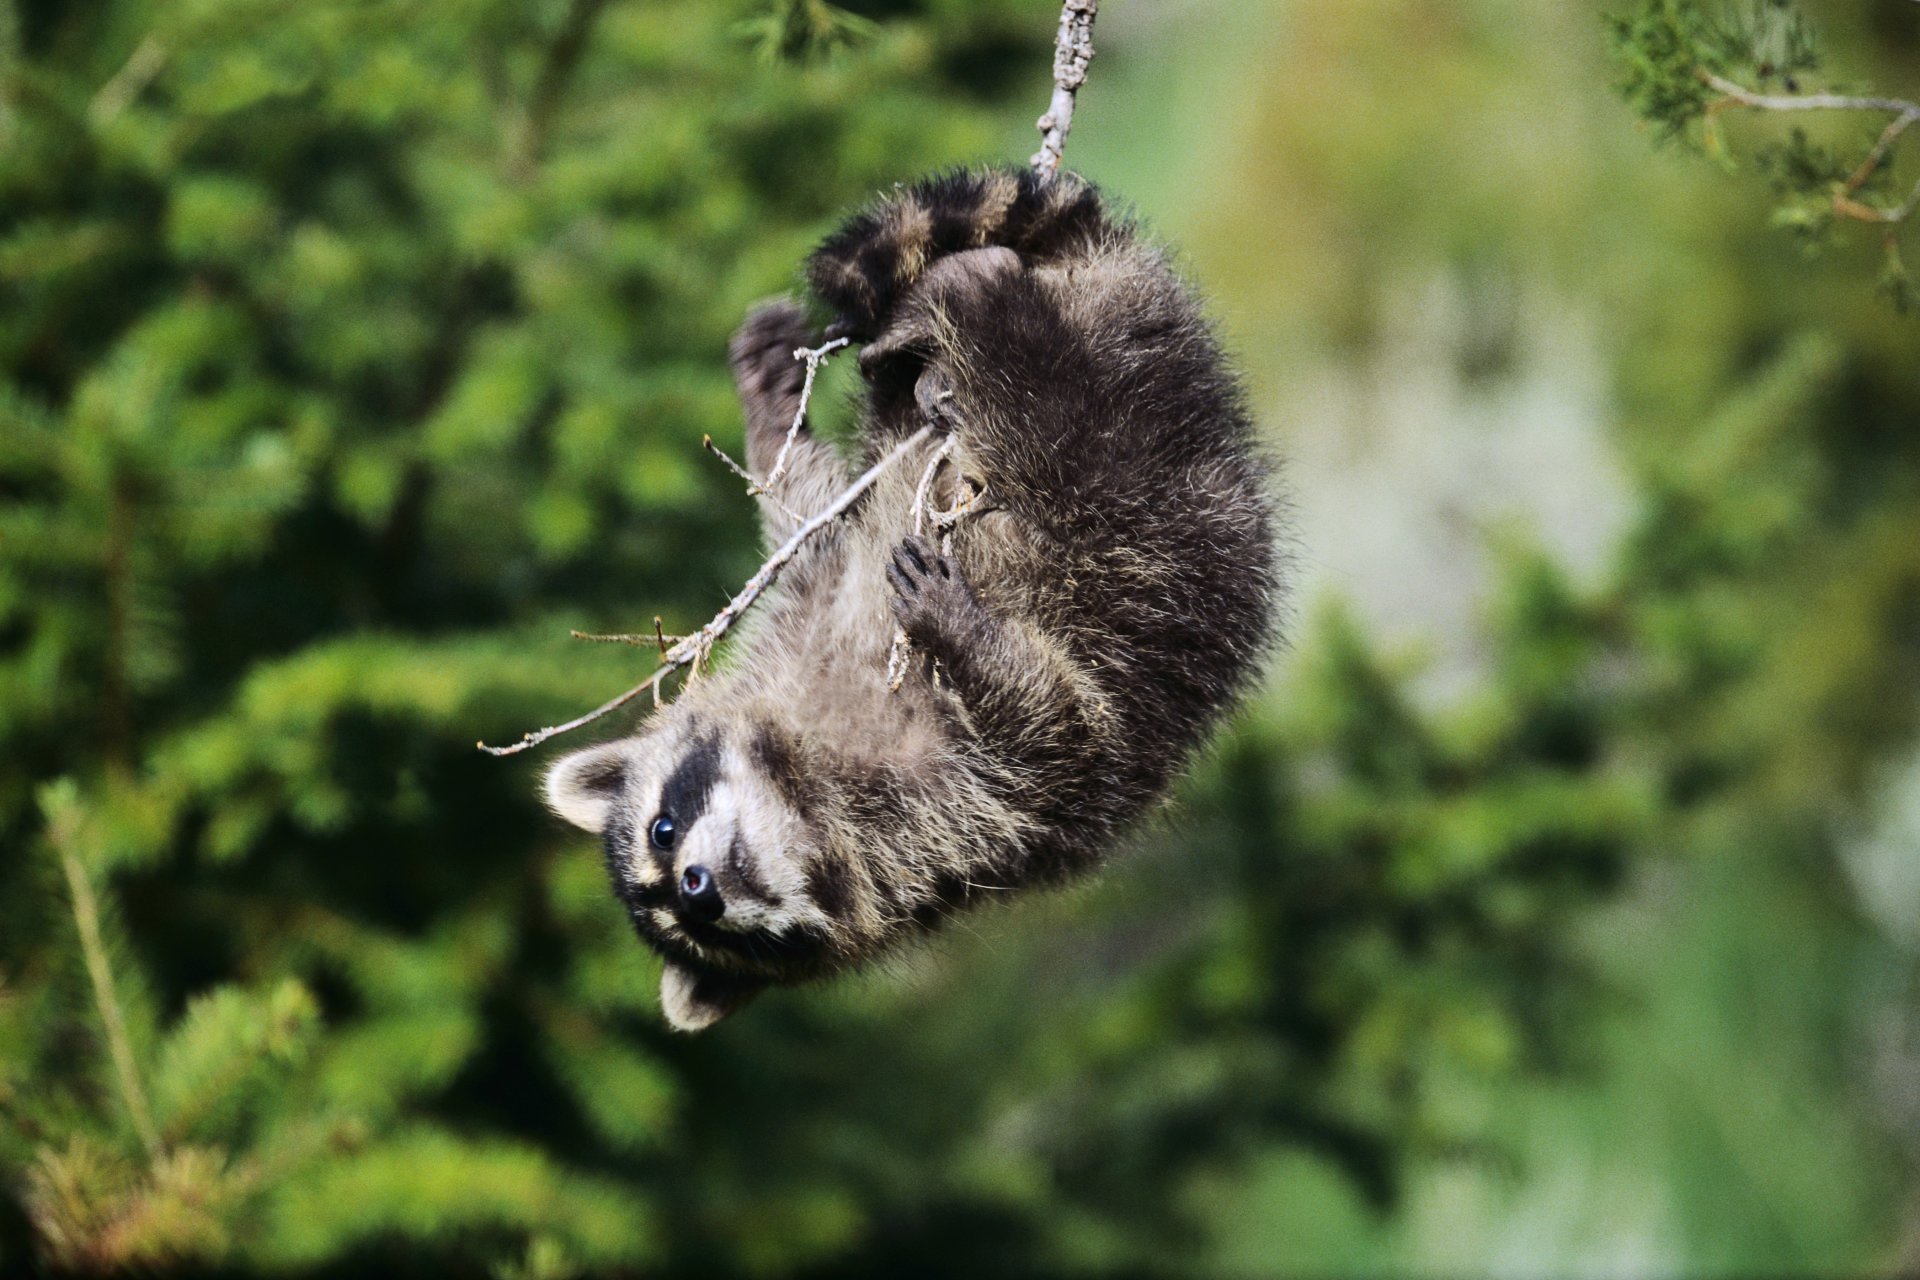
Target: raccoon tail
<point>862,269</point>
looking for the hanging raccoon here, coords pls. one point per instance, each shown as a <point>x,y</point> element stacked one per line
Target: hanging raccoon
<point>792,815</point>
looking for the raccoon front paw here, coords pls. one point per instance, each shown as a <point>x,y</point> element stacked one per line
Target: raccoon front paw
<point>931,600</point>
<point>761,353</point>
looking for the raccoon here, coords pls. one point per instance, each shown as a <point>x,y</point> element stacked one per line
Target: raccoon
<point>791,815</point>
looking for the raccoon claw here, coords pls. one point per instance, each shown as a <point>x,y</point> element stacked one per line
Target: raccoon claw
<point>930,598</point>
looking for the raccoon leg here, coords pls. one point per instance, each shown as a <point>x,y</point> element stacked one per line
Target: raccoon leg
<point>1024,696</point>
<point>769,379</point>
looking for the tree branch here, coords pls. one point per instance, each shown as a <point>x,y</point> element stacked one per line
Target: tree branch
<point>563,55</point>
<point>1805,101</point>
<point>61,821</point>
<point>1905,114</point>
<point>1072,51</point>
<point>149,59</point>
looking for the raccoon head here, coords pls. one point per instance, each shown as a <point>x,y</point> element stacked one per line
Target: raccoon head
<point>709,858</point>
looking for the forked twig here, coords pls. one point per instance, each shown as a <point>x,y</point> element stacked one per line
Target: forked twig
<point>659,639</point>
<point>815,357</point>
<point>690,651</point>
<point>754,487</point>
<point>1905,114</point>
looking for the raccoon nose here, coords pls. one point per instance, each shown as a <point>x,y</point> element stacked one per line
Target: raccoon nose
<point>700,895</point>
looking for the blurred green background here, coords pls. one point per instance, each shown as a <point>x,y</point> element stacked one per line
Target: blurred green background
<point>1553,910</point>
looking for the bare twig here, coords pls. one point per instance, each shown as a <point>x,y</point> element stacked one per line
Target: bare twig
<point>946,520</point>
<point>815,357</point>
<point>1072,51</point>
<point>1805,101</point>
<point>639,640</point>
<point>756,487</point>
<point>1905,114</point>
<point>86,919</point>
<point>692,650</point>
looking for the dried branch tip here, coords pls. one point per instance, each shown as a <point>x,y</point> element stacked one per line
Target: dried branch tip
<point>1072,52</point>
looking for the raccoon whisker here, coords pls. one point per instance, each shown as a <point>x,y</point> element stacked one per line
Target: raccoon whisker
<point>691,651</point>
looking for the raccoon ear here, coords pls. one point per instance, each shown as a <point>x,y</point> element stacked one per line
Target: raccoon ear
<point>695,1001</point>
<point>583,786</point>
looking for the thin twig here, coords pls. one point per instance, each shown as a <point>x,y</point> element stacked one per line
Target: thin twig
<point>693,650</point>
<point>815,357</point>
<point>753,486</point>
<point>1072,51</point>
<point>86,918</point>
<point>1883,145</point>
<point>638,640</point>
<point>1805,101</point>
<point>946,520</point>
<point>1863,212</point>
<point>897,653</point>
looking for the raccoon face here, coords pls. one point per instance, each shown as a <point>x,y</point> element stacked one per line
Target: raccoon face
<point>708,859</point>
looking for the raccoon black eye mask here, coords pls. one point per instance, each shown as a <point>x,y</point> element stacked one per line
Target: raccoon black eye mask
<point>1066,646</point>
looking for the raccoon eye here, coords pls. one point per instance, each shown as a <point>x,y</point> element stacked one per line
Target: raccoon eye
<point>662,833</point>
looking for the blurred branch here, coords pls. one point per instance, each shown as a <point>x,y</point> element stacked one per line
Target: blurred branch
<point>62,821</point>
<point>148,59</point>
<point>799,30</point>
<point>1072,52</point>
<point>556,72</point>
<point>116,728</point>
